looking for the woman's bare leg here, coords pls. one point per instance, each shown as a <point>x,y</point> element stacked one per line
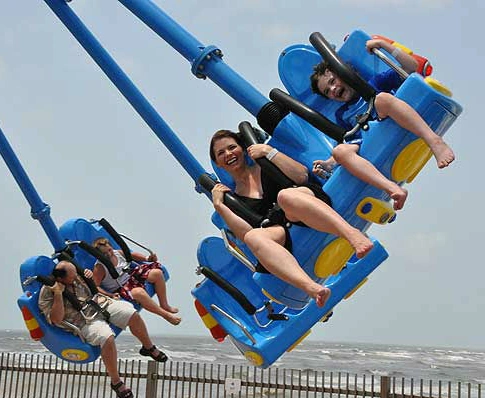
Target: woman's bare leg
<point>141,296</point>
<point>266,245</point>
<point>300,204</point>
<point>155,277</point>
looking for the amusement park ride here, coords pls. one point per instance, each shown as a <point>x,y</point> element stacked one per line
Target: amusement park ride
<point>263,316</point>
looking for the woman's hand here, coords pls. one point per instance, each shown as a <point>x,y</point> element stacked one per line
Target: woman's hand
<point>88,273</point>
<point>257,151</point>
<point>218,194</point>
<point>152,257</point>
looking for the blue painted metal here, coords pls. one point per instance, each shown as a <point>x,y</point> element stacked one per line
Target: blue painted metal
<point>39,210</point>
<point>189,47</point>
<point>304,143</point>
<point>126,87</point>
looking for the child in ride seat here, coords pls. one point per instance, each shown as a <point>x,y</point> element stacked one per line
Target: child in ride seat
<point>326,83</point>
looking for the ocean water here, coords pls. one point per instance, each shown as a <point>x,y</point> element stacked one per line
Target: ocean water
<point>428,363</point>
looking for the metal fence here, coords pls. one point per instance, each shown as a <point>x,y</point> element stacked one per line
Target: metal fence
<point>46,376</point>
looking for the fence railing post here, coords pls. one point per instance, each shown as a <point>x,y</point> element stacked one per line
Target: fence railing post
<point>152,380</point>
<point>385,386</point>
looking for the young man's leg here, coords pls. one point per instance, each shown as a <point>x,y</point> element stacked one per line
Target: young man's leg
<point>347,156</point>
<point>405,116</point>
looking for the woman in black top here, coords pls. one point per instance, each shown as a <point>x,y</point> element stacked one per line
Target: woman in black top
<point>305,203</point>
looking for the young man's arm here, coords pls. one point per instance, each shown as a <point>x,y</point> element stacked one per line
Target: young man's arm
<point>408,63</point>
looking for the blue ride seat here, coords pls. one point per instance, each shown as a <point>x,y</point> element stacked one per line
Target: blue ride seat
<point>60,342</point>
<point>63,344</point>
<point>79,229</point>
<point>327,259</point>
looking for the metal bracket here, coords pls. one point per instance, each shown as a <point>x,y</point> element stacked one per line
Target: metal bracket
<point>207,53</point>
<point>243,259</point>
<point>235,321</point>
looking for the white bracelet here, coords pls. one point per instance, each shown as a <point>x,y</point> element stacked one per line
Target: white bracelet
<point>271,154</point>
<point>396,52</point>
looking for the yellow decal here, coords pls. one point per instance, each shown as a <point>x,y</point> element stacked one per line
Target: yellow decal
<point>410,161</point>
<point>375,210</point>
<point>73,354</point>
<point>299,340</point>
<point>438,86</point>
<point>254,358</point>
<point>355,289</point>
<point>333,258</point>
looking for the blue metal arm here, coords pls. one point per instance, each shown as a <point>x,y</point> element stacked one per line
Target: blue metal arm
<point>127,88</point>
<point>206,61</point>
<point>39,210</point>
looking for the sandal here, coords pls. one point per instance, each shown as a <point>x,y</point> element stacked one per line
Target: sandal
<point>150,352</point>
<point>127,393</point>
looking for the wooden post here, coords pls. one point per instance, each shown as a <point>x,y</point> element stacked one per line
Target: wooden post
<point>152,379</point>
<point>385,386</point>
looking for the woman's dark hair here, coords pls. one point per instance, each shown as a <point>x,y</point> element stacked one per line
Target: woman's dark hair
<point>318,71</point>
<point>219,135</point>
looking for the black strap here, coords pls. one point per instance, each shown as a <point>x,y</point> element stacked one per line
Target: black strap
<point>101,257</point>
<point>348,75</point>
<point>248,136</point>
<point>233,291</point>
<point>231,201</point>
<point>313,117</point>
<point>117,238</point>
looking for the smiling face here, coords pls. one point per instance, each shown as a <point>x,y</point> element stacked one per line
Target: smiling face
<point>103,246</point>
<point>228,154</point>
<point>332,87</point>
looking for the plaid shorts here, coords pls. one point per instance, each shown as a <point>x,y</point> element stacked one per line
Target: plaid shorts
<point>138,277</point>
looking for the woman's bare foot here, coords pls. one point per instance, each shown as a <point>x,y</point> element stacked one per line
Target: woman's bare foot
<point>361,243</point>
<point>173,319</point>
<point>442,152</point>
<point>170,309</point>
<point>322,296</point>
<point>399,196</point>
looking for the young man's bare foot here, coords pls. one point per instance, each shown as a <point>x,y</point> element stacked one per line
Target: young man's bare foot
<point>361,244</point>
<point>443,153</point>
<point>399,196</point>
<point>322,295</point>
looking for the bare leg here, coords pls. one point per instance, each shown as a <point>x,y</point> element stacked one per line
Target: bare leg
<point>266,245</point>
<point>109,356</point>
<point>346,155</point>
<point>139,330</point>
<point>155,277</point>
<point>141,296</point>
<point>406,117</point>
<point>300,204</point>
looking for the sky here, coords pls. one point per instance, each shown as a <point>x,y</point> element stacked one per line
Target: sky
<point>90,155</point>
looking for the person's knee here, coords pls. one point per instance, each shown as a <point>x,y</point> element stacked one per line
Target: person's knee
<point>383,104</point>
<point>286,198</point>
<point>155,275</point>
<point>135,319</point>
<point>138,293</point>
<point>341,152</point>
<point>252,238</point>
